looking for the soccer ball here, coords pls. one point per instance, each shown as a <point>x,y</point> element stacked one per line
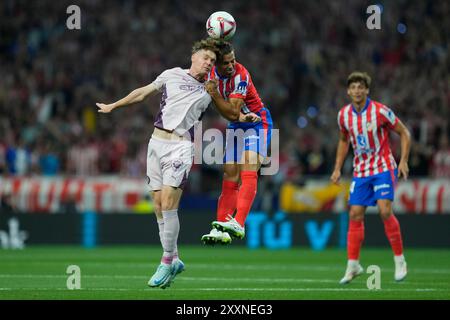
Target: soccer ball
<point>221,25</point>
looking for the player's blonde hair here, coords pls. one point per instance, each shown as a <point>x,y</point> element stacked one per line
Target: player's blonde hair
<point>206,44</point>
<point>358,76</point>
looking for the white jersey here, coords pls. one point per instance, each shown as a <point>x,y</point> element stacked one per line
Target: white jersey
<point>184,99</point>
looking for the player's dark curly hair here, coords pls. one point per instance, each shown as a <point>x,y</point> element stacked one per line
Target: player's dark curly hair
<point>206,44</point>
<point>361,77</point>
<point>224,48</point>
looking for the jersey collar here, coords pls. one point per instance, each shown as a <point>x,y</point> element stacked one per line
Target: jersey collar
<point>363,109</point>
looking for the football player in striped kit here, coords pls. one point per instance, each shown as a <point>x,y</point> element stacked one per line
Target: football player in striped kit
<point>231,87</point>
<point>366,125</point>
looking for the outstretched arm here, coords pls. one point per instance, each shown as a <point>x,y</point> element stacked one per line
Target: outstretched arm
<point>405,141</point>
<point>341,154</point>
<point>134,96</point>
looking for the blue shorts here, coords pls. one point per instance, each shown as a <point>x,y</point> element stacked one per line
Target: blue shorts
<point>246,136</point>
<point>366,191</point>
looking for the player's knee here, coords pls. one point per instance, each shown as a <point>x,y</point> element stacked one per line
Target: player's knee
<point>168,203</point>
<point>385,209</point>
<point>356,215</point>
<point>157,208</point>
<point>252,161</point>
<point>231,175</point>
<point>385,212</point>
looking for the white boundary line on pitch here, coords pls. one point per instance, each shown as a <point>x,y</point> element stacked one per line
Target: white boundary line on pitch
<point>184,278</point>
<point>237,266</point>
<point>277,280</point>
<point>231,289</point>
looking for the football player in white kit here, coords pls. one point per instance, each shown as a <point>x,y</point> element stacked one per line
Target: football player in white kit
<point>171,149</point>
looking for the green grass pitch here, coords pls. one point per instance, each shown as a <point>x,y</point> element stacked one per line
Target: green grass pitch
<point>122,272</point>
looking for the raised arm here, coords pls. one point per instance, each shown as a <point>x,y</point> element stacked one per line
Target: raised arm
<point>341,154</point>
<point>134,96</point>
<point>405,141</point>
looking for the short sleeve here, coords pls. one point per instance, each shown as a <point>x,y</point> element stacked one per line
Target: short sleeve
<point>340,121</point>
<point>161,80</point>
<point>388,117</point>
<point>241,84</point>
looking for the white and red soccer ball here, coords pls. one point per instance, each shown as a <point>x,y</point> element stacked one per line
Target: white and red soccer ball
<point>221,25</point>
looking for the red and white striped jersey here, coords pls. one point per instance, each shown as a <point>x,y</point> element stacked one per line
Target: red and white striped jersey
<point>369,135</point>
<point>240,85</point>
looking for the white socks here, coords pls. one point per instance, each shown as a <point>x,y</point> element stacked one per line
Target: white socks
<point>399,259</point>
<point>171,228</point>
<point>352,263</point>
<point>161,236</point>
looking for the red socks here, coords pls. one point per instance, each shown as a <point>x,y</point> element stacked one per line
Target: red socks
<point>246,195</point>
<point>392,229</point>
<point>355,237</point>
<point>227,200</point>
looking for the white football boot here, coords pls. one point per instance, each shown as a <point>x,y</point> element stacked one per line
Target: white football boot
<point>177,267</point>
<point>354,269</point>
<point>400,268</point>
<point>216,236</point>
<point>162,277</point>
<point>232,227</point>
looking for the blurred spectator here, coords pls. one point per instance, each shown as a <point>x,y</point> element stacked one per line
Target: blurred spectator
<point>18,159</point>
<point>83,158</point>
<point>3,167</point>
<point>441,159</point>
<point>48,160</point>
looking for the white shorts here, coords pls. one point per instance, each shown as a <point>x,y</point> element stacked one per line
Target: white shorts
<point>168,163</point>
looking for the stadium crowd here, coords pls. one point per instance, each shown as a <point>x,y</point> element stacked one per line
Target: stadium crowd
<point>299,55</point>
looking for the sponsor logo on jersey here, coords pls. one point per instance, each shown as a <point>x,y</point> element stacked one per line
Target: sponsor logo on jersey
<point>191,87</point>
<point>381,186</point>
<point>251,137</point>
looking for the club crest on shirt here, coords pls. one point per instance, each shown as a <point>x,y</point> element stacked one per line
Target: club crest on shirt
<point>176,164</point>
<point>362,143</point>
